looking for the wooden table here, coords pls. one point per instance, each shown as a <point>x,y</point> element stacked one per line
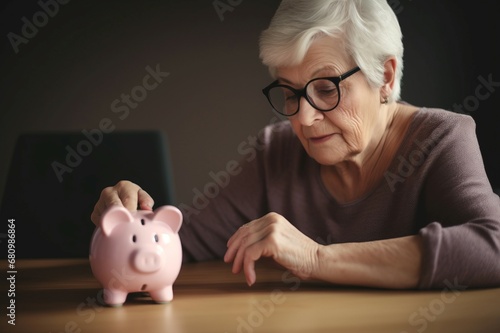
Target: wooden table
<point>63,296</point>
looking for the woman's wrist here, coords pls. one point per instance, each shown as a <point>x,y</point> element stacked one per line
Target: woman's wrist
<point>391,263</point>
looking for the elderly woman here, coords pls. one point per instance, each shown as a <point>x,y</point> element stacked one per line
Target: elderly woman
<point>355,187</point>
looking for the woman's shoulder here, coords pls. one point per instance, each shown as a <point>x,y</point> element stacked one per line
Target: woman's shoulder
<point>434,131</point>
<point>440,125</point>
<point>434,135</point>
<point>434,118</point>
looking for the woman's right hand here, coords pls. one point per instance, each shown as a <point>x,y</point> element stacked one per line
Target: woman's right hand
<point>124,193</point>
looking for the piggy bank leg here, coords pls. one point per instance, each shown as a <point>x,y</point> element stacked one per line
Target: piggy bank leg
<point>114,297</point>
<point>164,295</point>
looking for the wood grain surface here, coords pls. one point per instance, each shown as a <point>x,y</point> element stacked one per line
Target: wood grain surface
<point>61,295</point>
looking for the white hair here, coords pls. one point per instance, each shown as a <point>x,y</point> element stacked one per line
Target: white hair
<point>369,30</point>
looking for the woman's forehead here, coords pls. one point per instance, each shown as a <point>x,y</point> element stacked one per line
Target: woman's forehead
<point>325,57</point>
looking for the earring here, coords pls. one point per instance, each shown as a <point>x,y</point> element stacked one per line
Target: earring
<point>385,101</point>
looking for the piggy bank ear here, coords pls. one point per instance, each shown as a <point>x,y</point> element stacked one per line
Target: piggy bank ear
<point>170,215</point>
<point>114,216</point>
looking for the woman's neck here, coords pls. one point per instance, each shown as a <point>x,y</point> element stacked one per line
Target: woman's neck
<point>350,180</point>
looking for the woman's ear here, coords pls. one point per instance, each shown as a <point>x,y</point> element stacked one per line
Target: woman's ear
<point>389,77</point>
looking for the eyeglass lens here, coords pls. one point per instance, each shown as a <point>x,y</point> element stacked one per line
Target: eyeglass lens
<point>322,94</point>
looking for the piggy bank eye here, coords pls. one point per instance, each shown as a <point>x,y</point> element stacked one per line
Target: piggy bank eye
<point>134,238</point>
<point>157,239</point>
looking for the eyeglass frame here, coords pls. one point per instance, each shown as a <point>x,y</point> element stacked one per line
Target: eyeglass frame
<point>303,92</point>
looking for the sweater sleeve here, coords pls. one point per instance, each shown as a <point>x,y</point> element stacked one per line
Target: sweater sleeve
<point>462,241</point>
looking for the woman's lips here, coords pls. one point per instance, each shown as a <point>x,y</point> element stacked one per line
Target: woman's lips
<point>321,139</point>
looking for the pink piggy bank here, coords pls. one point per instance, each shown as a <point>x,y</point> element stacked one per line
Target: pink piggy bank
<point>134,252</point>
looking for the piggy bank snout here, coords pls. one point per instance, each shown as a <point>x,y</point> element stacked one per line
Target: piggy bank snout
<point>147,260</point>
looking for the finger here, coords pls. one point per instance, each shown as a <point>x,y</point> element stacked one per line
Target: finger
<point>97,213</point>
<point>252,254</point>
<point>146,202</point>
<point>107,198</point>
<point>128,195</point>
<point>245,229</point>
<point>262,222</point>
<point>233,245</point>
<point>239,236</point>
<point>251,240</point>
<point>95,216</point>
<point>249,269</point>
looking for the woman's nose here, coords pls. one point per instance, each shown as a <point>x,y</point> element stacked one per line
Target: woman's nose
<point>307,114</point>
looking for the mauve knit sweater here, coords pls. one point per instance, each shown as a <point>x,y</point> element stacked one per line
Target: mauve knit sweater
<point>436,187</point>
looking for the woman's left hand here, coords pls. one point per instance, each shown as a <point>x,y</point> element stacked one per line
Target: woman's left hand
<point>271,236</point>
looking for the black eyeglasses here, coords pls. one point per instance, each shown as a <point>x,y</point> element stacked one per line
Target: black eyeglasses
<point>322,93</point>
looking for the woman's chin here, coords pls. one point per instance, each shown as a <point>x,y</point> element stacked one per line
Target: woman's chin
<point>327,159</point>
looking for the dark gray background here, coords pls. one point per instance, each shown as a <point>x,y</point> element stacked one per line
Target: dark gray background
<point>90,52</point>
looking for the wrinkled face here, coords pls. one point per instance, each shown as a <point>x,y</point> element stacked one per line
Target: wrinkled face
<point>343,133</point>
